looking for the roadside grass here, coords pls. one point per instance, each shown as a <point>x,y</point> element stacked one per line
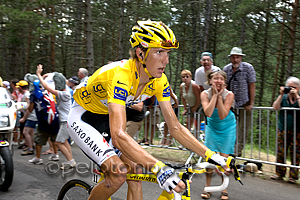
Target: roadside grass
<point>180,156</point>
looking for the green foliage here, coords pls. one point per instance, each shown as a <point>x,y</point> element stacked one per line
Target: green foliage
<point>255,25</point>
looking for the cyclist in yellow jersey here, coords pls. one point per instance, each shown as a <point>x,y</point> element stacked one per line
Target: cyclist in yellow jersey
<point>97,118</point>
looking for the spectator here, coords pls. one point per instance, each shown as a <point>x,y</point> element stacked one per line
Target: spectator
<point>6,85</point>
<point>63,99</point>
<point>200,74</point>
<point>241,81</point>
<point>167,140</point>
<point>47,126</point>
<point>72,83</point>
<point>15,95</point>
<point>220,133</point>
<point>135,116</point>
<point>288,98</point>
<point>151,119</point>
<point>23,89</point>
<point>190,96</point>
<point>29,118</point>
<point>83,74</point>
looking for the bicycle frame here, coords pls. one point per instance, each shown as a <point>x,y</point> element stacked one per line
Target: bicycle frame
<point>185,174</point>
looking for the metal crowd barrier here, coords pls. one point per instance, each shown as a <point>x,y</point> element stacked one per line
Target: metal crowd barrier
<point>260,145</point>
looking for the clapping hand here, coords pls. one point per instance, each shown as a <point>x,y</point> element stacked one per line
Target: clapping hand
<point>39,69</point>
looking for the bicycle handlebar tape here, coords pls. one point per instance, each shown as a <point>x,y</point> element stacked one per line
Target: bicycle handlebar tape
<point>158,165</point>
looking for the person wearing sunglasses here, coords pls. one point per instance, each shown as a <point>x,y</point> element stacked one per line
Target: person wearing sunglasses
<point>288,97</point>
<point>97,118</point>
<point>190,97</point>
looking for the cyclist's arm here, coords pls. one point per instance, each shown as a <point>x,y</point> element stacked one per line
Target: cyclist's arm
<point>125,143</point>
<point>179,132</point>
<point>184,136</point>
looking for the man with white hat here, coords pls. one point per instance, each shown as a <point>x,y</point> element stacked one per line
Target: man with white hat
<point>241,80</point>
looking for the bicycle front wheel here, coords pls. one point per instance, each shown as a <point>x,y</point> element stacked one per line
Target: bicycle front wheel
<point>75,189</point>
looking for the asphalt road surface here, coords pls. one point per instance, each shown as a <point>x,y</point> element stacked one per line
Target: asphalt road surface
<point>38,182</point>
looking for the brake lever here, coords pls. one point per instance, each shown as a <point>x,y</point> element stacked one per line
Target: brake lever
<point>232,165</point>
<point>230,162</point>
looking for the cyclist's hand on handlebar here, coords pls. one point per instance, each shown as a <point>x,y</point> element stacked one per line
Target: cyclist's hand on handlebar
<point>214,158</point>
<point>167,178</point>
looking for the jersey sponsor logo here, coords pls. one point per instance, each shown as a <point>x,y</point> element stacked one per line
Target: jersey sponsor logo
<point>120,93</point>
<point>144,44</point>
<point>151,86</point>
<point>149,90</point>
<point>85,96</point>
<point>100,91</point>
<point>121,83</point>
<point>166,92</point>
<point>86,139</point>
<point>163,178</point>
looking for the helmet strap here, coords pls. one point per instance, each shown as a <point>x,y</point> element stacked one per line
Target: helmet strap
<point>144,64</point>
<point>147,72</point>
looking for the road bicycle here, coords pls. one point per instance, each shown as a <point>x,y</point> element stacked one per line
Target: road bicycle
<point>79,189</point>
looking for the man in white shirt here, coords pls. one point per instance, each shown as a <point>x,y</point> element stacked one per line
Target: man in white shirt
<point>200,74</point>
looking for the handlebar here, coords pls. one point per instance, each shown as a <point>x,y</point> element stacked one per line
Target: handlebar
<point>230,162</point>
<point>214,188</point>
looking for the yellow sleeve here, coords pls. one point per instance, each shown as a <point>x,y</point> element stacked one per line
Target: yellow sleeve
<point>118,87</point>
<point>163,89</point>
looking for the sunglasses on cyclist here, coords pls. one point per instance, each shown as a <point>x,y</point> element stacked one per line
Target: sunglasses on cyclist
<point>169,43</point>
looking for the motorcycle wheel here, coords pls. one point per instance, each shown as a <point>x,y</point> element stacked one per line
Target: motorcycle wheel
<point>6,168</point>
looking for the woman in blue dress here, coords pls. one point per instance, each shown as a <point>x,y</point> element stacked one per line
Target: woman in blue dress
<point>220,132</point>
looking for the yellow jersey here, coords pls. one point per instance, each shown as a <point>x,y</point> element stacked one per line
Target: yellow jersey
<point>118,82</point>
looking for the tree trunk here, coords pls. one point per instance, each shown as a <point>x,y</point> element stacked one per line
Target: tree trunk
<point>275,83</point>
<point>52,45</point>
<point>264,57</point>
<point>28,50</point>
<point>242,39</point>
<point>89,37</point>
<point>194,28</point>
<point>291,45</point>
<point>78,39</point>
<point>207,23</point>
<point>121,30</point>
